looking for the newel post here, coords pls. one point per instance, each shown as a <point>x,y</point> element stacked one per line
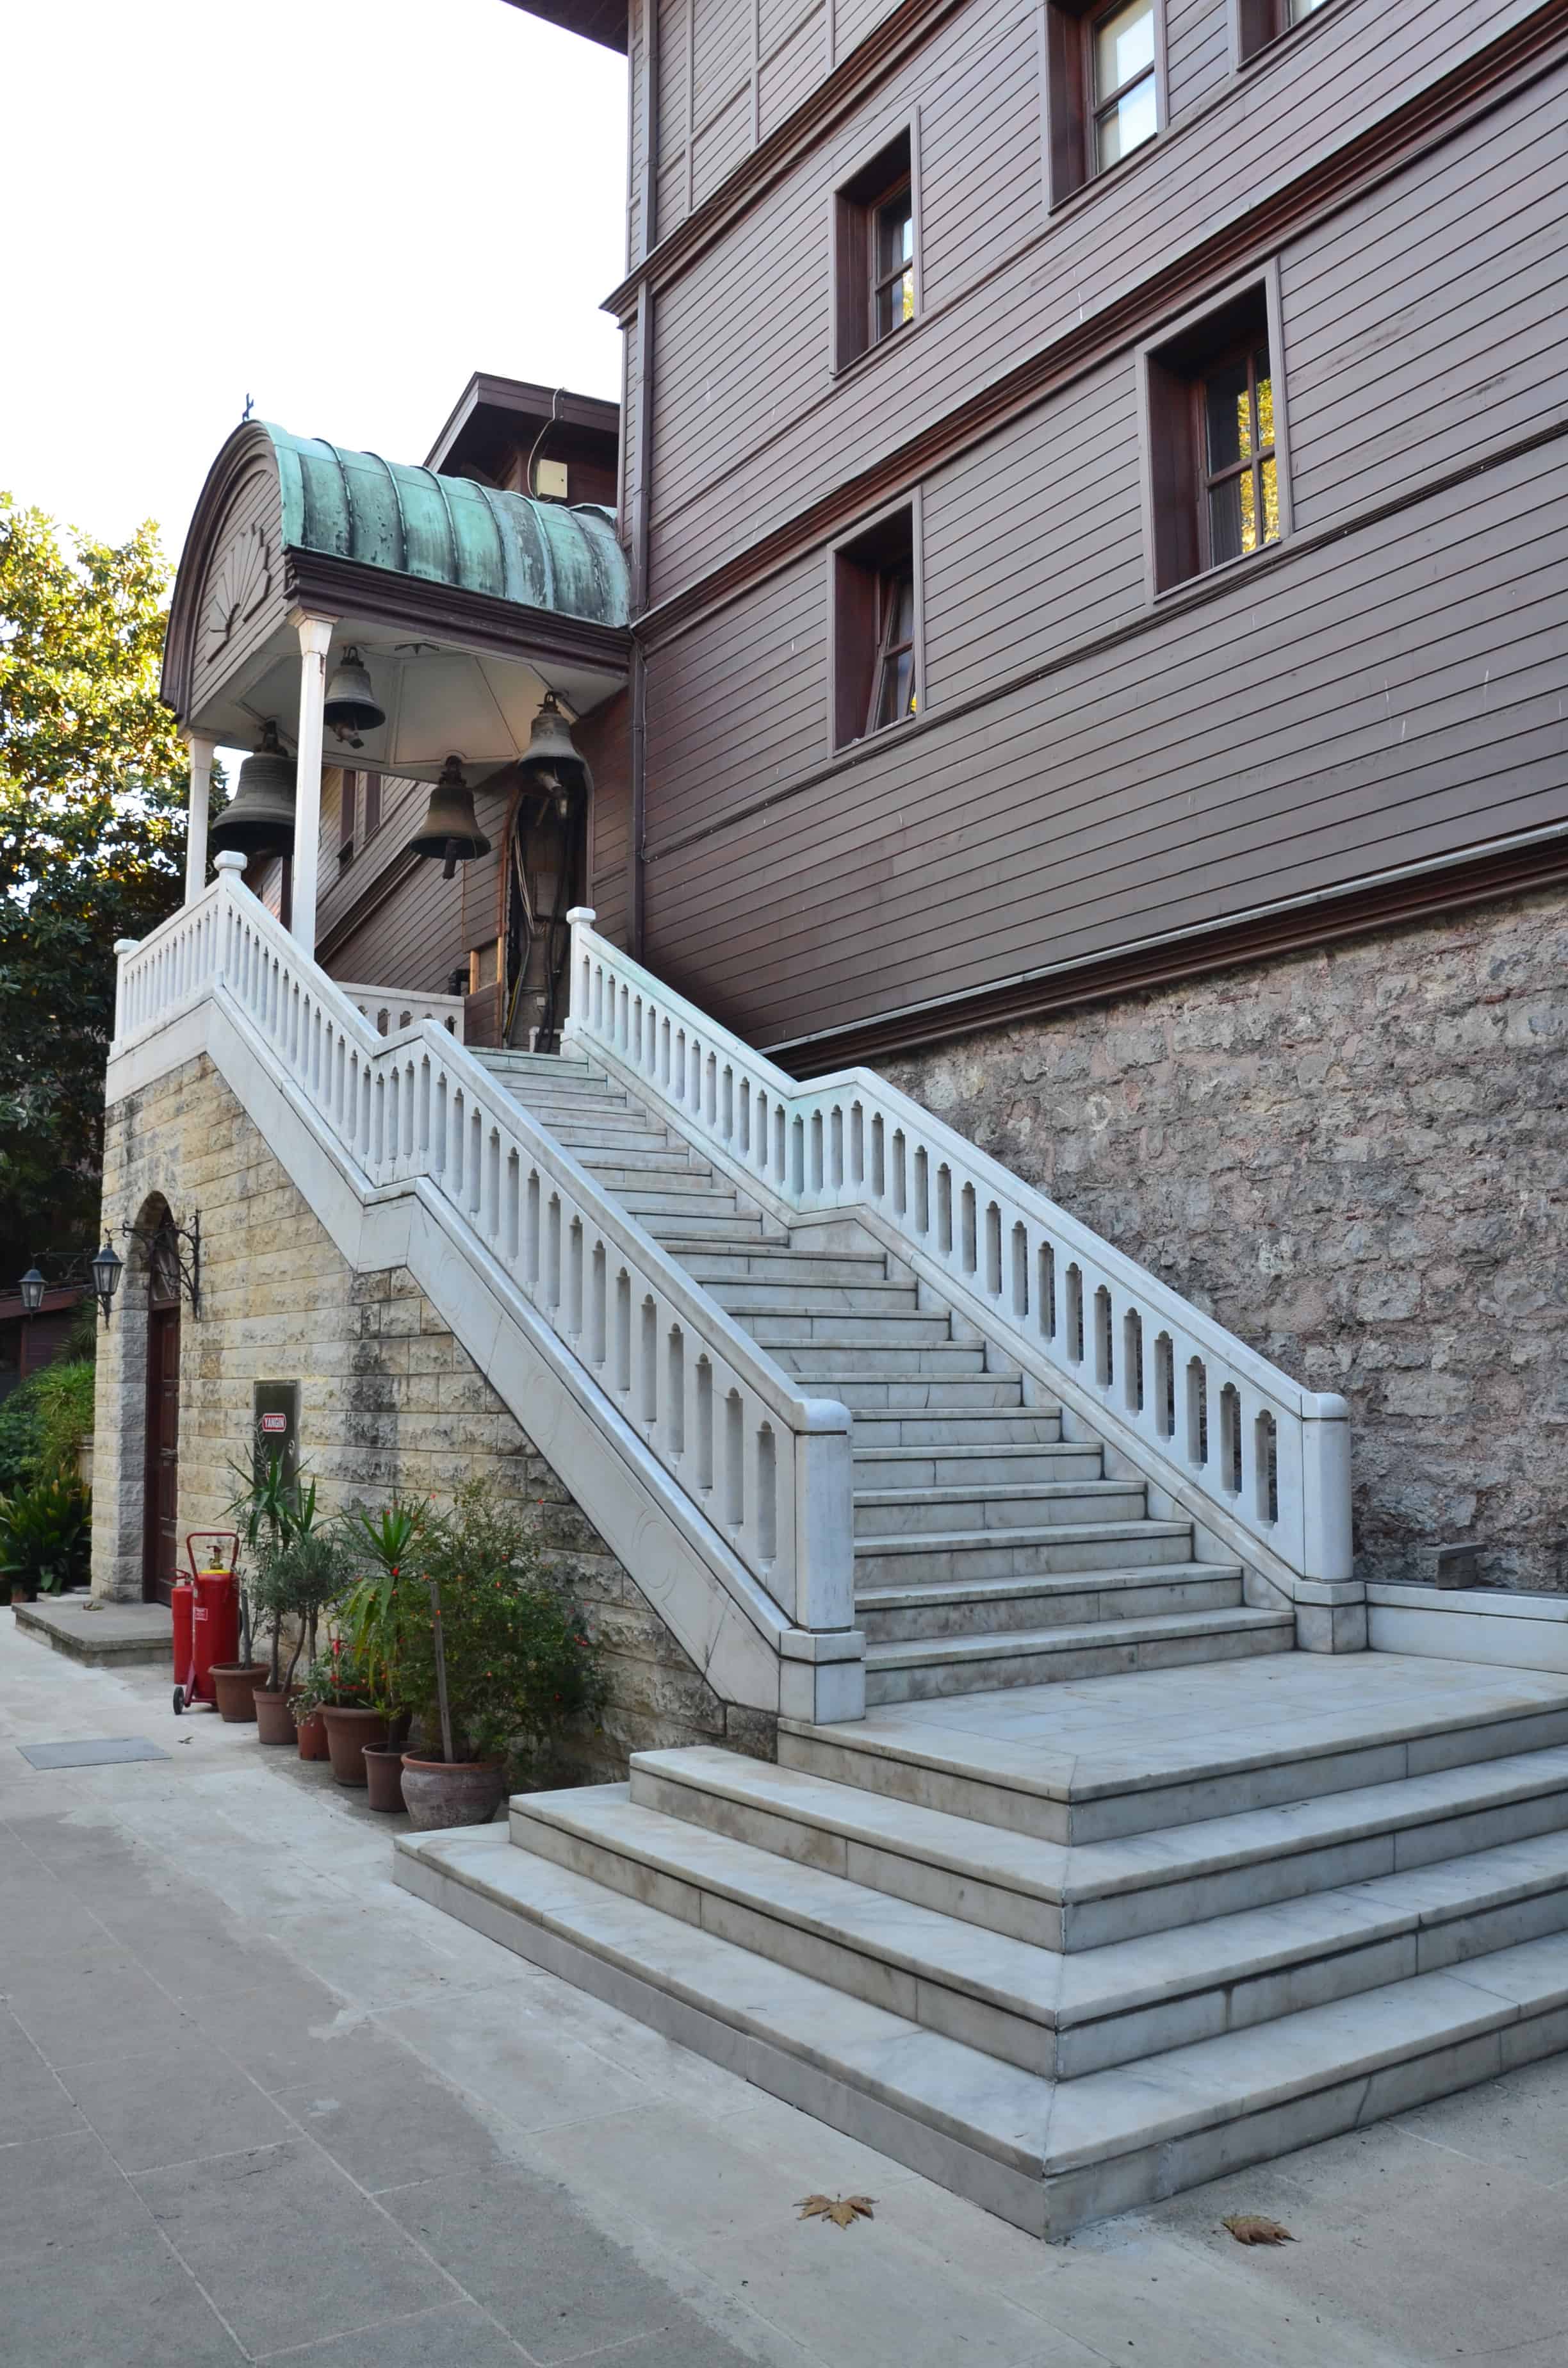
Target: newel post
<point>122,947</point>
<point>1325,1487</point>
<point>824,1519</point>
<point>580,920</point>
<point>228,866</point>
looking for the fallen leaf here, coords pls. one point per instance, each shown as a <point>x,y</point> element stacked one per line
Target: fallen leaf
<point>842,2209</point>
<point>1256,2229</point>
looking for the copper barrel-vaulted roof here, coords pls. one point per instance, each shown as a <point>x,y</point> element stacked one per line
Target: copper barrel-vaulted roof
<point>405,561</point>
<point>450,530</point>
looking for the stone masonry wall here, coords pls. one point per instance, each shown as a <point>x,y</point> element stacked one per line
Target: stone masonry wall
<point>388,1398</point>
<point>1357,1160</point>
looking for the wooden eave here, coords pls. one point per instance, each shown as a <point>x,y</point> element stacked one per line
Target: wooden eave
<point>604,21</point>
<point>446,613</point>
<point>521,399</point>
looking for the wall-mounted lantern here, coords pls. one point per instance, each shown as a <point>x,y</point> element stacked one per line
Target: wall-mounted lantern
<point>106,1267</point>
<point>32,1287</point>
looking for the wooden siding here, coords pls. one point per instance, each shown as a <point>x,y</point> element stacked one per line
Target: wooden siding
<point>1162,782</point>
<point>256,502</point>
<point>605,739</point>
<point>1198,52</point>
<point>1091,772</point>
<point>750,426</point>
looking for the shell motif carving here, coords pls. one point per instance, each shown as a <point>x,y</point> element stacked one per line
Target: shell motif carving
<point>241,585</point>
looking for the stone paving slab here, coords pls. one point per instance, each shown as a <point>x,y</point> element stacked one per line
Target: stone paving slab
<point>104,1634</point>
<point>257,2103</point>
<point>104,1752</point>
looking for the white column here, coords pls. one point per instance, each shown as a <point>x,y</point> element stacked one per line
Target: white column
<point>201,751</point>
<point>315,640</point>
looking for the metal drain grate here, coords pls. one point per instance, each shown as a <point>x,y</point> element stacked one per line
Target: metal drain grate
<point>101,1752</point>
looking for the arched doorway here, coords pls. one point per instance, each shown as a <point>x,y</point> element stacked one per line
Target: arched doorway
<point>159,1547</point>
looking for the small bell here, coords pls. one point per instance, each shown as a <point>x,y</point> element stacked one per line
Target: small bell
<point>350,704</point>
<point>552,763</point>
<point>452,827</point>
<point>259,817</point>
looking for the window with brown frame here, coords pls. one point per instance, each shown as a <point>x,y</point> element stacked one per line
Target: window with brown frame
<point>348,799</point>
<point>1105,98</point>
<point>1263,21</point>
<point>874,252</point>
<point>372,803</point>
<point>1214,443</point>
<point>876,633</point>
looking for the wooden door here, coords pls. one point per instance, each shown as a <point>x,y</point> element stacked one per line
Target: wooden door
<point>160,1558</point>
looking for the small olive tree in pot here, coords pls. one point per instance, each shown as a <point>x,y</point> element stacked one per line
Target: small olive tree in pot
<point>495,1663</point>
<point>295,1579</point>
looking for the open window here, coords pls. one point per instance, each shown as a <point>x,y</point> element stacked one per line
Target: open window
<point>876,630</point>
<point>1217,459</point>
<point>1105,87</point>
<point>874,255</point>
<point>1263,21</point>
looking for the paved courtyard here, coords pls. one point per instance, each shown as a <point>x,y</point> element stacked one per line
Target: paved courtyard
<point>257,2103</point>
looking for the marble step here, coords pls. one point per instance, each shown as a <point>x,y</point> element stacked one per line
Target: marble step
<point>974,2123</point>
<point>777,1265</point>
<point>1089,1895</point>
<point>580,1103</point>
<point>585,1142</point>
<point>693,1224</point>
<point>512,1061</point>
<point>1047,2154</point>
<point>756,1297</point>
<point>987,1425</point>
<point>978,1466</point>
<point>880,1392</point>
<point>1001,1505</point>
<point>893,1615</point>
<point>1060,2015</point>
<point>692,1197</point>
<point>887,1330</point>
<point>825,1358</point>
<point>935,1668</point>
<point>953,1557</point>
<point>614,1164</point>
<point>1128,1759</point>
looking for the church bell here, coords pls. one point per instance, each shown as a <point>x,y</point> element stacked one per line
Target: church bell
<point>452,827</point>
<point>259,817</point>
<point>350,704</point>
<point>552,763</point>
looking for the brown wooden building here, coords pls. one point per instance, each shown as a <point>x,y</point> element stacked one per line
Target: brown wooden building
<point>1087,481</point>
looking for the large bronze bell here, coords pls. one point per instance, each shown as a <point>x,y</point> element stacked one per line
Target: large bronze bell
<point>350,706</point>
<point>552,763</point>
<point>452,827</point>
<point>259,817</point>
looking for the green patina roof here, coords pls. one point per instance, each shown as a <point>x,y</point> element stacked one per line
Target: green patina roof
<point>448,529</point>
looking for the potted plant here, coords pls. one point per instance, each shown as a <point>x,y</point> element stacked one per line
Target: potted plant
<point>373,1620</point>
<point>336,1685</point>
<point>496,1666</point>
<point>295,1580</point>
<point>45,1538</point>
<point>264,1511</point>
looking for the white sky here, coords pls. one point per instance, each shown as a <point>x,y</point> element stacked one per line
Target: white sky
<point>340,207</point>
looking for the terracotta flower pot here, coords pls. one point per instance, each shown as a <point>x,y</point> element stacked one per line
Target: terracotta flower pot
<point>234,1683</point>
<point>384,1775</point>
<point>311,1733</point>
<point>347,1733</point>
<point>439,1793</point>
<point>274,1719</point>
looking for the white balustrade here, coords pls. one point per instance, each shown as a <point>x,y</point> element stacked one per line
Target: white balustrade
<point>1207,1413</point>
<point>391,1008</point>
<point>768,1469</point>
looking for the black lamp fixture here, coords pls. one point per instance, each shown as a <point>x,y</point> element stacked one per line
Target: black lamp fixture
<point>32,1287</point>
<point>105,1266</point>
<point>167,1235</point>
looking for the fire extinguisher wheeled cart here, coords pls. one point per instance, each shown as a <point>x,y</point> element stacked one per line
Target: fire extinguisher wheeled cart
<point>206,1608</point>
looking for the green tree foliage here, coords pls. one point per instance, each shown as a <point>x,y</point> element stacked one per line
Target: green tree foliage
<point>92,784</point>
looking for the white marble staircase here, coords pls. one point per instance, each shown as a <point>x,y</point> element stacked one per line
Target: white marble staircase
<point>1111,1890</point>
<point>1071,1949</point>
<point>990,1550</point>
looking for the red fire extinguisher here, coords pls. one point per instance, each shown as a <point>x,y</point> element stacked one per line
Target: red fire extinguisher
<point>206,1608</point>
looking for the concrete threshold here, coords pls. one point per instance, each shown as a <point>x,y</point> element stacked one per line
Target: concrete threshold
<point>106,1635</point>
